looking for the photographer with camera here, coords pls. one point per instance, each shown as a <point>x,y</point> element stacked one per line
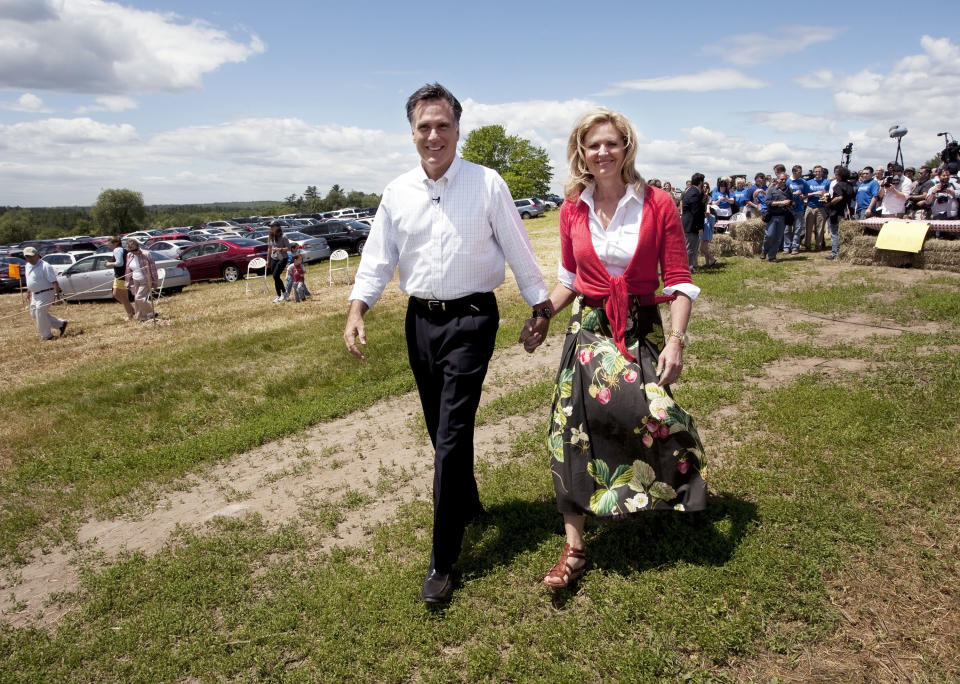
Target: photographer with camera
<point>942,197</point>
<point>917,202</point>
<point>894,190</point>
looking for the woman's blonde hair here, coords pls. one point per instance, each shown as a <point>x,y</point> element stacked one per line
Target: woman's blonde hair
<point>579,177</point>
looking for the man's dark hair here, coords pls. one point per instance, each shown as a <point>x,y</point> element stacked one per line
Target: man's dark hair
<point>796,167</point>
<point>759,174</point>
<point>894,167</point>
<point>696,179</point>
<point>868,168</point>
<point>433,91</point>
<point>843,173</point>
<point>779,168</point>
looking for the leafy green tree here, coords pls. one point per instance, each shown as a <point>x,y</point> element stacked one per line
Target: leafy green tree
<point>335,199</point>
<point>118,211</point>
<point>16,226</point>
<point>934,161</point>
<point>524,167</point>
<point>311,199</point>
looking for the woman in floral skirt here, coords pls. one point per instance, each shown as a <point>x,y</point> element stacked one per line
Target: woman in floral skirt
<point>619,444</point>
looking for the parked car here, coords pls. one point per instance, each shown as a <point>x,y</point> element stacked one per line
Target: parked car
<point>91,278</point>
<point>170,248</point>
<point>203,234</point>
<point>223,225</point>
<point>349,235</point>
<point>61,261</point>
<point>8,284</point>
<point>313,248</point>
<point>227,259</point>
<point>529,207</point>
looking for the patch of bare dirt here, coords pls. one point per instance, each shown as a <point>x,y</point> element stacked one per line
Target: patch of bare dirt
<point>780,323</point>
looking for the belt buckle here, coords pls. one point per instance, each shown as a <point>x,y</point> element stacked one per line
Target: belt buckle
<point>436,305</point>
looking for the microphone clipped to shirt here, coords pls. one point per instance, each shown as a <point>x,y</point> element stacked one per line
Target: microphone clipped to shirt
<point>435,200</point>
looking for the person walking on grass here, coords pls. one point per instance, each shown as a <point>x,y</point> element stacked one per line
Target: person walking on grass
<point>277,247</point>
<point>142,278</point>
<point>44,290</point>
<point>449,226</point>
<point>119,266</point>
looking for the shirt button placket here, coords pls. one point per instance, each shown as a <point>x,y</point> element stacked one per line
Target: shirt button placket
<point>436,238</point>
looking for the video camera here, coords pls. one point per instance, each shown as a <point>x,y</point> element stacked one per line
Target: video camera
<point>951,153</point>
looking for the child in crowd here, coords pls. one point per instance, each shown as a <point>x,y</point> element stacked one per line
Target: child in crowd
<point>297,273</point>
<point>294,249</point>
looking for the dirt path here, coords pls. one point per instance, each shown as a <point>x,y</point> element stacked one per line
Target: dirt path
<point>346,475</point>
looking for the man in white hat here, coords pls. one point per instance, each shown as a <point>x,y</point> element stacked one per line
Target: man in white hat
<point>44,289</point>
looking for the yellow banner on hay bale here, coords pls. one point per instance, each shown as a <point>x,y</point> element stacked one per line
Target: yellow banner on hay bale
<point>902,236</point>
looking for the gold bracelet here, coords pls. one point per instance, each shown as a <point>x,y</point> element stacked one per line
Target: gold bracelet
<point>680,335</point>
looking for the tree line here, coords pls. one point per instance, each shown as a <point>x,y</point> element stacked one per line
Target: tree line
<point>121,210</point>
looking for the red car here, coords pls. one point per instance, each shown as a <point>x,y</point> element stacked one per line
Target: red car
<point>165,236</point>
<point>227,259</point>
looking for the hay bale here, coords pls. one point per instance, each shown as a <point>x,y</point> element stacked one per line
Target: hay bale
<point>848,230</point>
<point>723,245</point>
<point>749,231</point>
<point>746,249</point>
<point>940,255</point>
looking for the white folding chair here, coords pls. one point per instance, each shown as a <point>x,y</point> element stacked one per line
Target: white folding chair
<point>255,265</point>
<point>340,255</point>
<point>158,290</point>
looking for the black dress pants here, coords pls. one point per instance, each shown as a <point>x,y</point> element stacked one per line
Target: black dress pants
<point>449,352</point>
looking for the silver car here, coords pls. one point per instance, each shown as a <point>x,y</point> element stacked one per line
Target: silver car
<point>91,278</point>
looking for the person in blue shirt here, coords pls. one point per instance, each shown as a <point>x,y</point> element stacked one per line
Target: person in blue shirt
<point>867,192</point>
<point>756,196</point>
<point>815,216</point>
<point>722,196</point>
<point>740,193</point>
<point>798,189</point>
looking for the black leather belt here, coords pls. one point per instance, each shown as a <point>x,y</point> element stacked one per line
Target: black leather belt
<point>482,302</point>
<point>42,291</point>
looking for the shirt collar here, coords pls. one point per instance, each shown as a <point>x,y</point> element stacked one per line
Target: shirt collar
<point>586,196</point>
<point>450,174</point>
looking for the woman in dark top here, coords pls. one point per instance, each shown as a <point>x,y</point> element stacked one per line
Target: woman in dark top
<point>277,248</point>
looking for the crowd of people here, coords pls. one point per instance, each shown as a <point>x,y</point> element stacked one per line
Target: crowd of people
<point>799,209</point>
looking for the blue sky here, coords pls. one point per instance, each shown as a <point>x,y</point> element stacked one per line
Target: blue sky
<point>220,101</point>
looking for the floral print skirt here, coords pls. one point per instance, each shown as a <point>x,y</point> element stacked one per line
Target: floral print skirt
<point>619,444</point>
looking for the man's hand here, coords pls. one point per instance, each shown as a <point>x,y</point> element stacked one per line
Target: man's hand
<point>533,333</point>
<point>670,363</point>
<point>355,331</point>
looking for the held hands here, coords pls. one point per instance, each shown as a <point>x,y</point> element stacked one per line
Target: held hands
<point>533,333</point>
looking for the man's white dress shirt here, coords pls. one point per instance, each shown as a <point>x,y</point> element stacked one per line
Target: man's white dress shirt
<point>448,237</point>
<point>616,244</point>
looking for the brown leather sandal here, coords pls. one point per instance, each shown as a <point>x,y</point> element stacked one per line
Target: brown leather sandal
<point>562,575</point>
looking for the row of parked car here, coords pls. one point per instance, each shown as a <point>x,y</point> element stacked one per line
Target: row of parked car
<point>531,207</point>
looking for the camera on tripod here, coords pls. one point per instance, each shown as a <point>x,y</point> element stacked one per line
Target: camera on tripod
<point>951,153</point>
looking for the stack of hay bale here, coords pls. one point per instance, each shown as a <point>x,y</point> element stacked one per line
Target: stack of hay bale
<point>741,239</point>
<point>859,248</point>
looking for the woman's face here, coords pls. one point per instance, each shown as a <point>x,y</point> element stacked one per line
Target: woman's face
<point>604,151</point>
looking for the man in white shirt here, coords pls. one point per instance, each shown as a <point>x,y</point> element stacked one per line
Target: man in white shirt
<point>894,191</point>
<point>942,198</point>
<point>448,225</point>
<point>44,289</point>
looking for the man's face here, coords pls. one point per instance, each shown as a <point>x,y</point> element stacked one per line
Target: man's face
<point>944,177</point>
<point>435,134</point>
<point>866,175</point>
<point>782,181</point>
<point>924,174</point>
<point>32,259</point>
<point>909,174</point>
<point>818,172</point>
<point>760,180</point>
<point>797,173</point>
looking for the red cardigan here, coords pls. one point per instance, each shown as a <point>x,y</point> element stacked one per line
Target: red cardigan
<point>660,244</point>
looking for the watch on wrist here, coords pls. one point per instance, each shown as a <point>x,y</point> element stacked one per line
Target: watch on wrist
<point>680,335</point>
<point>545,312</point>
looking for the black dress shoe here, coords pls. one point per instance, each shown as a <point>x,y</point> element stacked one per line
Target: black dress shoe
<point>437,587</point>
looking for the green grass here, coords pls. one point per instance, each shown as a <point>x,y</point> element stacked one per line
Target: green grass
<point>817,479</point>
<point>101,435</point>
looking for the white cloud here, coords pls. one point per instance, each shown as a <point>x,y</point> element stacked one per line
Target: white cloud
<point>791,122</point>
<point>822,78</point>
<point>28,102</point>
<point>757,48</point>
<point>96,46</point>
<point>710,79</point>
<point>109,103</point>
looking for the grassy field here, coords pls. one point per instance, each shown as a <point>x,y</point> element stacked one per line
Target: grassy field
<point>827,395</point>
